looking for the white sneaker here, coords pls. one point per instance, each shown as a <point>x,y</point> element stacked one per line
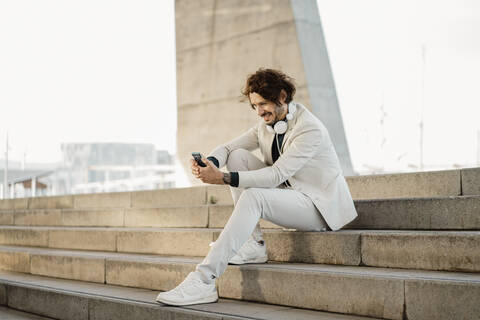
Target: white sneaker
<point>250,252</point>
<point>192,290</point>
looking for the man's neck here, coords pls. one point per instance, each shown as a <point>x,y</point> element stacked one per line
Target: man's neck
<point>284,112</point>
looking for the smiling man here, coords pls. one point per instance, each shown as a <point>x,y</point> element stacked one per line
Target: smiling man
<point>298,185</point>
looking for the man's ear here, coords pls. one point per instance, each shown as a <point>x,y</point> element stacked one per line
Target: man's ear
<point>283,97</point>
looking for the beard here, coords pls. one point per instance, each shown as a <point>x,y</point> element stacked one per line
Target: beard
<point>277,113</point>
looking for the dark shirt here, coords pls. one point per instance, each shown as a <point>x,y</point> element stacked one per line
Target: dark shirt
<point>276,153</point>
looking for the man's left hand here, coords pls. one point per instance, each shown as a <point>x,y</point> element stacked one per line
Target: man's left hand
<point>209,174</point>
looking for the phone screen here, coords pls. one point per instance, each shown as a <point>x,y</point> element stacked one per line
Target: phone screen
<point>198,158</point>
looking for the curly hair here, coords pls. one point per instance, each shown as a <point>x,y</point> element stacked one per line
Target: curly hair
<point>269,83</point>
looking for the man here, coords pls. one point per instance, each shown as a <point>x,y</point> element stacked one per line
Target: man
<point>298,185</point>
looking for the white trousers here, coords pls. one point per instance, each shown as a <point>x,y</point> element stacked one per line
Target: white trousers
<point>283,206</point>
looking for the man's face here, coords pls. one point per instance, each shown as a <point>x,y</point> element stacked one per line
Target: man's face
<point>266,109</point>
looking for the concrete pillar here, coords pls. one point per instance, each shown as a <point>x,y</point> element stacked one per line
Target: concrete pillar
<point>478,147</point>
<point>320,83</point>
<point>220,42</point>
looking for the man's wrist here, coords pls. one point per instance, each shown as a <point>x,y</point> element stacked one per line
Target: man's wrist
<point>227,178</point>
<point>231,179</point>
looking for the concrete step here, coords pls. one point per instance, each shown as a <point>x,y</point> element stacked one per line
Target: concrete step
<point>12,314</point>
<point>366,291</point>
<point>76,300</point>
<point>399,185</point>
<point>445,213</point>
<point>407,185</point>
<point>194,196</point>
<point>427,250</point>
<point>163,217</point>
<point>416,184</point>
<point>427,184</point>
<point>184,241</point>
<point>160,217</point>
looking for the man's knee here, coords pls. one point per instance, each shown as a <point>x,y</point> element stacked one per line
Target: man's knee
<point>252,196</point>
<point>237,160</point>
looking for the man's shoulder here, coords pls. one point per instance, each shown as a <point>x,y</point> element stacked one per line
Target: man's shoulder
<point>309,124</point>
<point>307,119</point>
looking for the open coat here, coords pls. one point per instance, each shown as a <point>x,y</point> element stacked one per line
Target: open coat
<point>308,161</point>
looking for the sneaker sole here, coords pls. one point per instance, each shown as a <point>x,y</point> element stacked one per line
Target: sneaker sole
<point>256,260</point>
<point>210,299</point>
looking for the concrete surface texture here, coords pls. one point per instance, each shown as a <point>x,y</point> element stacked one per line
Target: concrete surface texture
<point>11,314</point>
<point>83,300</point>
<point>367,291</point>
<point>412,254</point>
<point>220,42</point>
<point>426,250</point>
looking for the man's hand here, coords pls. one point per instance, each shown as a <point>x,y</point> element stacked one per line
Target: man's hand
<point>209,174</point>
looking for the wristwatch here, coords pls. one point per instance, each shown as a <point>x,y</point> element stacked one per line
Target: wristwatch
<point>227,178</point>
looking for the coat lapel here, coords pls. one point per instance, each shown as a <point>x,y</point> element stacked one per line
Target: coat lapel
<point>285,138</point>
<point>266,142</point>
<point>291,125</point>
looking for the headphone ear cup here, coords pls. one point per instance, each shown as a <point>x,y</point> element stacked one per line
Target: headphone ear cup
<point>292,108</point>
<point>280,127</point>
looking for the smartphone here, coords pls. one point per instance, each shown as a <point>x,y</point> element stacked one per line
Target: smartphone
<point>198,158</point>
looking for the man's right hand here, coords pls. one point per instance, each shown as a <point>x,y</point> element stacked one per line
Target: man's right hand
<point>195,168</point>
<point>209,174</point>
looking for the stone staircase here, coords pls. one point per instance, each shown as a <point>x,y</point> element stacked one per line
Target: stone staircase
<point>413,253</point>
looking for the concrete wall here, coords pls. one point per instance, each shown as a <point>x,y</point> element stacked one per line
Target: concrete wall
<point>220,42</point>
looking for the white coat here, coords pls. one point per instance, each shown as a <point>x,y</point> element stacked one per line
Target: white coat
<point>308,161</point>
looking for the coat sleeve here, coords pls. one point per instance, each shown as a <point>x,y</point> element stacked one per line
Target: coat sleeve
<point>248,141</point>
<point>304,147</point>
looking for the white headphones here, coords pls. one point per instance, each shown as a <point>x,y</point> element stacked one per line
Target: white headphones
<point>280,127</point>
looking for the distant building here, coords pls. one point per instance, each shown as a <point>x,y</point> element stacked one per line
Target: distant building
<point>25,183</point>
<point>163,157</point>
<point>92,168</point>
<point>113,167</point>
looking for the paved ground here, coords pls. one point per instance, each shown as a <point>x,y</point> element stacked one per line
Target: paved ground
<point>10,314</point>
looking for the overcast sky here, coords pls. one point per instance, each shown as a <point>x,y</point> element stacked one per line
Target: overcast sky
<point>104,71</point>
<point>375,48</point>
<point>86,71</point>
